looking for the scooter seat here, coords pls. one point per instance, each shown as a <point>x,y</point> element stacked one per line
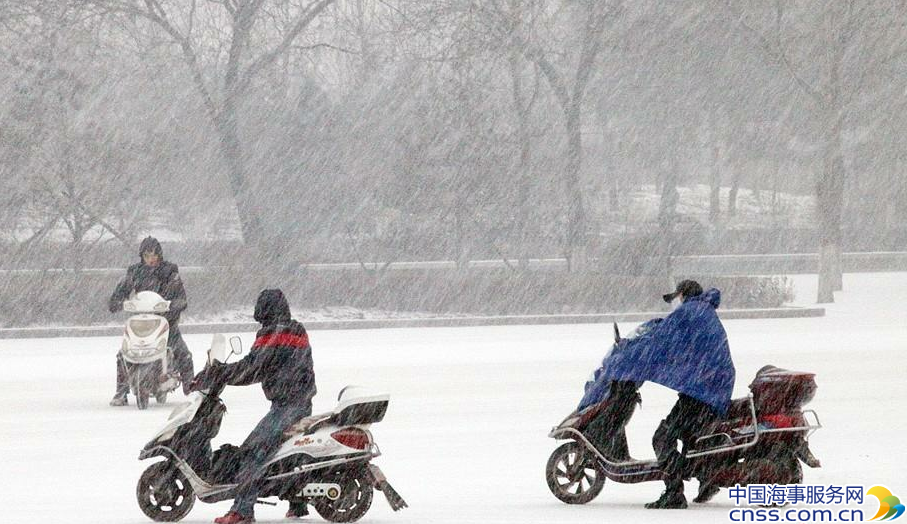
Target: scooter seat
<point>308,425</point>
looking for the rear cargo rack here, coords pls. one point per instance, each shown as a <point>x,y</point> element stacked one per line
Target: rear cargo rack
<point>732,447</point>
<point>810,427</point>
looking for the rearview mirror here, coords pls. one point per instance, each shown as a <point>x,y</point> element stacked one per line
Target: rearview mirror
<point>236,345</point>
<point>162,306</point>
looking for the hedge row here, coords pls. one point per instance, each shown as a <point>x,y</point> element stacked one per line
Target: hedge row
<point>76,298</point>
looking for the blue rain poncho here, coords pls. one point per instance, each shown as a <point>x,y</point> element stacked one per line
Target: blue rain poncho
<point>598,387</point>
<point>687,352</point>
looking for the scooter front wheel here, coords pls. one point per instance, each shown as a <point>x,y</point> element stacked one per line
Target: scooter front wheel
<point>139,387</point>
<point>141,399</point>
<point>356,494</point>
<point>573,475</point>
<point>164,494</point>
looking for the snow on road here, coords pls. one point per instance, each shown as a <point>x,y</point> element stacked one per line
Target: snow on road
<point>465,436</point>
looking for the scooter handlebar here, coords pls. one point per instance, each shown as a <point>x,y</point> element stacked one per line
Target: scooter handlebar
<point>209,378</point>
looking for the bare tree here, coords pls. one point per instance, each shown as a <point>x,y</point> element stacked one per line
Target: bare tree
<point>68,165</point>
<point>563,41</point>
<point>523,102</point>
<point>569,81</point>
<point>241,39</point>
<point>829,52</point>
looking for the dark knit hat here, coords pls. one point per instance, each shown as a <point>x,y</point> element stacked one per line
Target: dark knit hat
<point>687,288</point>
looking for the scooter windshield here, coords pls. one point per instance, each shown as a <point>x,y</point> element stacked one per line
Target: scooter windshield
<point>144,327</point>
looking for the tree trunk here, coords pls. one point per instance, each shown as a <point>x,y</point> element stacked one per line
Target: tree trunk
<point>231,149</point>
<point>525,218</point>
<point>830,197</point>
<point>614,194</point>
<point>462,257</point>
<point>715,192</point>
<point>776,175</point>
<point>732,196</point>
<point>576,214</point>
<point>830,204</point>
<point>525,222</point>
<point>828,260</point>
<point>667,216</point>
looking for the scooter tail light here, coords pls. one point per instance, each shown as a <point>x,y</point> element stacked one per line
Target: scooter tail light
<point>782,421</point>
<point>352,438</point>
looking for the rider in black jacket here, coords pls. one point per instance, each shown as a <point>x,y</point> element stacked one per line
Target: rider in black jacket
<point>281,359</point>
<point>154,273</point>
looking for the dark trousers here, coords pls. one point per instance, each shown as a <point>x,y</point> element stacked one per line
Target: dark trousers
<point>258,447</point>
<point>182,361</point>
<point>686,421</point>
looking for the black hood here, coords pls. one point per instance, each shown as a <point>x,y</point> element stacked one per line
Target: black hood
<point>272,308</point>
<point>151,245</point>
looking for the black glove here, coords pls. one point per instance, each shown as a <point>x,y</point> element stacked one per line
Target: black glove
<point>205,376</point>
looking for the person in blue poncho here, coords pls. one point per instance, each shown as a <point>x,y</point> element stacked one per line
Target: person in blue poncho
<point>688,352</point>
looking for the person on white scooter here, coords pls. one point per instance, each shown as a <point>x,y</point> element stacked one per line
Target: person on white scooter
<point>281,359</point>
<point>687,351</point>
<point>153,273</point>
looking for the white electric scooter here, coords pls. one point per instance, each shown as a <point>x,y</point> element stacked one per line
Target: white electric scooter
<point>325,460</point>
<point>145,353</point>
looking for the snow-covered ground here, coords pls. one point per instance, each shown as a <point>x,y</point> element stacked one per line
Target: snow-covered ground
<point>465,437</point>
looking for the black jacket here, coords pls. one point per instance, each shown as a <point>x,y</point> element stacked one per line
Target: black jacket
<point>163,279</point>
<point>281,359</point>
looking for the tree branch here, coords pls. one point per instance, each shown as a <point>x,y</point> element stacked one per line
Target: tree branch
<point>155,13</point>
<point>550,72</point>
<point>328,46</point>
<point>97,219</point>
<point>777,54</point>
<point>243,20</point>
<point>267,58</point>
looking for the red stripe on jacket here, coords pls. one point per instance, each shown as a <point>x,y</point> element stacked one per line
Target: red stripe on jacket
<point>282,339</point>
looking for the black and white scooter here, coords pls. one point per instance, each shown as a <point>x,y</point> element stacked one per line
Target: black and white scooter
<point>325,460</point>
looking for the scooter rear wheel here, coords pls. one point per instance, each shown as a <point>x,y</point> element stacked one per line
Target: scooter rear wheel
<point>356,494</point>
<point>573,475</point>
<point>163,493</point>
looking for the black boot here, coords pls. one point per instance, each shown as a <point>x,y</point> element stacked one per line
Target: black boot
<point>671,498</point>
<point>706,492</point>
<point>119,399</point>
<point>297,510</point>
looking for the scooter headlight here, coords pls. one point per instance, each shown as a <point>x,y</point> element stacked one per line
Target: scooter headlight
<point>144,327</point>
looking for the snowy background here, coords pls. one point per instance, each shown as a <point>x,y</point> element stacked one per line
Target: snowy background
<point>259,138</point>
<point>464,439</point>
